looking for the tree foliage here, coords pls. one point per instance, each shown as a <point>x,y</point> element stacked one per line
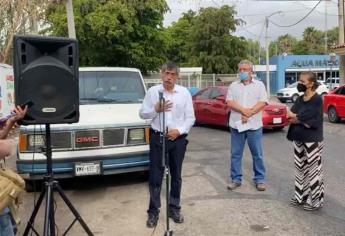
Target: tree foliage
<point>204,39</point>
<point>18,17</point>
<point>312,42</point>
<point>115,33</point>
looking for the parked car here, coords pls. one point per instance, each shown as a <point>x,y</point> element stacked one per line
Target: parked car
<point>334,104</point>
<point>332,83</point>
<point>210,108</point>
<point>193,90</point>
<point>109,138</point>
<point>290,93</point>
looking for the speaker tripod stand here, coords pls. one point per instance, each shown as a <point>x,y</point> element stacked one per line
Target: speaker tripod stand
<point>165,163</point>
<point>51,186</point>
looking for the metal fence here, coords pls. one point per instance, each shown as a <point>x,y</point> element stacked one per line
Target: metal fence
<point>200,81</point>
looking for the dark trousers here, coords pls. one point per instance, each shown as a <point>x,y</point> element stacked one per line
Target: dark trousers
<point>176,150</point>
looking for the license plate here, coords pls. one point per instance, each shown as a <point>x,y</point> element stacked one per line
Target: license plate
<point>88,168</point>
<point>277,120</point>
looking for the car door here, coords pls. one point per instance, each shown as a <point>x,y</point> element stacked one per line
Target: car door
<point>340,102</point>
<point>201,105</point>
<point>218,108</point>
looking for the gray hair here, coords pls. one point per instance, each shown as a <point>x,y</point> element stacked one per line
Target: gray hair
<point>170,65</point>
<point>247,62</point>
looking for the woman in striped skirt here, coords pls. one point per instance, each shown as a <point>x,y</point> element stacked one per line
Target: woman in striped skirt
<point>306,133</point>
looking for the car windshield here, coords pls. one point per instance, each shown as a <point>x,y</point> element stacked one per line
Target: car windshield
<point>110,87</point>
<point>294,85</point>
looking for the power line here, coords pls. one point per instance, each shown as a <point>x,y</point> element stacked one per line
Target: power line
<point>299,20</point>
<point>317,11</point>
<point>264,14</point>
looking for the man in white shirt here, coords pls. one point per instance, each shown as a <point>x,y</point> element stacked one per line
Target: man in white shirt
<point>246,98</point>
<point>179,118</point>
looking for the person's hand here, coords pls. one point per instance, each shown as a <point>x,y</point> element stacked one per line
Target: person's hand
<point>247,112</point>
<point>166,106</point>
<point>244,119</point>
<point>18,114</point>
<point>290,114</point>
<point>294,120</point>
<point>173,134</point>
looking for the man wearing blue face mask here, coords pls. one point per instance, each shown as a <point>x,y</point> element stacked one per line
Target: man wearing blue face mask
<point>246,98</point>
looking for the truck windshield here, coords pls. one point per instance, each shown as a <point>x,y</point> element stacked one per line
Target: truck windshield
<point>107,87</point>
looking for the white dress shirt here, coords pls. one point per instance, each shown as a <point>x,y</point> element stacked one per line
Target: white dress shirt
<point>181,115</point>
<point>247,96</point>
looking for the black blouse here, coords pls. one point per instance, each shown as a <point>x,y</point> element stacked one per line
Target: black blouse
<point>310,113</point>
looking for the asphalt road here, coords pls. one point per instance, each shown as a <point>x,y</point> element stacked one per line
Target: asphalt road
<point>116,205</point>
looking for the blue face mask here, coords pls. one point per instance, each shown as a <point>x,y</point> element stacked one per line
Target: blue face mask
<point>244,75</point>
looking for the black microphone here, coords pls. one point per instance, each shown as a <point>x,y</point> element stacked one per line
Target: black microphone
<point>160,93</point>
<point>161,98</point>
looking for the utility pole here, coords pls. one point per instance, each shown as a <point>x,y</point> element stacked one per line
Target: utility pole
<point>267,54</point>
<point>326,36</point>
<point>70,19</point>
<point>267,59</point>
<point>341,40</point>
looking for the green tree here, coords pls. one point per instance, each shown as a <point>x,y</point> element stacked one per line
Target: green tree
<point>176,37</point>
<point>210,43</point>
<point>312,42</point>
<point>283,44</point>
<point>18,17</point>
<point>333,36</point>
<point>115,33</point>
<point>253,50</point>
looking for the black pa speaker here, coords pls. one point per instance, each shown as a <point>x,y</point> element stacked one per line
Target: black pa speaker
<point>46,77</point>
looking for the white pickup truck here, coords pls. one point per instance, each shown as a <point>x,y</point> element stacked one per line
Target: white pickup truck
<point>109,138</point>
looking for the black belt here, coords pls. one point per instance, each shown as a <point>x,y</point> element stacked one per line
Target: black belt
<point>156,132</point>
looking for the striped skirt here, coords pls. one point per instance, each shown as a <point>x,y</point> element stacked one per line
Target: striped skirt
<point>309,185</point>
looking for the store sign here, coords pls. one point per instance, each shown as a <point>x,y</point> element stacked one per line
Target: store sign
<point>313,63</point>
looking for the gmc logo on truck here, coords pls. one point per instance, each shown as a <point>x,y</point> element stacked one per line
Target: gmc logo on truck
<point>86,139</point>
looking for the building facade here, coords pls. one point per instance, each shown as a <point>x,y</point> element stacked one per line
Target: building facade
<point>286,69</point>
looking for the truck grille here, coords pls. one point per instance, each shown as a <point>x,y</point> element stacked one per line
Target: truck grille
<point>61,140</point>
<point>87,139</point>
<point>113,137</point>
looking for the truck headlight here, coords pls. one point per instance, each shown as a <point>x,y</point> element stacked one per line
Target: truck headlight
<point>35,142</point>
<point>136,136</point>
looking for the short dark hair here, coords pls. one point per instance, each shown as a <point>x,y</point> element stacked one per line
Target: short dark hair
<point>170,65</point>
<point>311,78</point>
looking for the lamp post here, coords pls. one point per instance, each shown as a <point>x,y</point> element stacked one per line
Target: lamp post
<point>333,58</point>
<point>267,54</point>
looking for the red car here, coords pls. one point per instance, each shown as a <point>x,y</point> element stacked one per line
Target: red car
<point>334,104</point>
<point>210,108</point>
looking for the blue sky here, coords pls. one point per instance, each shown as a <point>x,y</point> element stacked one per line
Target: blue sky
<point>253,13</point>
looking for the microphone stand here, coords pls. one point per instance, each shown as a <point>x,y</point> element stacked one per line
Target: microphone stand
<point>165,164</point>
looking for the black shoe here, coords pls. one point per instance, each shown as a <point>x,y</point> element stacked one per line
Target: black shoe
<point>176,216</point>
<point>152,220</point>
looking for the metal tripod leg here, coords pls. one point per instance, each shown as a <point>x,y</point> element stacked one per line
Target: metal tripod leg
<point>34,213</point>
<point>73,210</point>
<point>48,211</point>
